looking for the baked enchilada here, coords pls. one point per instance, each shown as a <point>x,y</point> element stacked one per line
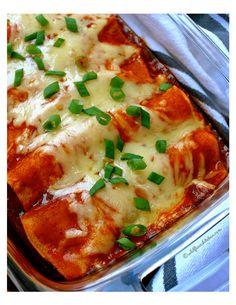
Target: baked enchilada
<point>105,149</point>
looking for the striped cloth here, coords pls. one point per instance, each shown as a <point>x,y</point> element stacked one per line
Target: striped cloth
<point>216,26</point>
<point>186,271</point>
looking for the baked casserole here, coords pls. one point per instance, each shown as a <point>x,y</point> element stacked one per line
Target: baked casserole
<point>105,149</point>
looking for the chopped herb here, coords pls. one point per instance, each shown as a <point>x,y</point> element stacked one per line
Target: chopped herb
<point>108,169</point>
<point>116,180</point>
<point>30,37</point>
<point>161,146</point>
<point>133,110</point>
<point>109,149</point>
<point>52,122</point>
<point>19,74</point>
<point>71,24</point>
<point>97,186</point>
<point>136,164</point>
<point>89,76</point>
<point>92,111</point>
<point>59,42</point>
<point>120,144</point>
<point>9,48</point>
<point>16,55</point>
<point>40,38</point>
<point>39,63</point>
<point>117,82</point>
<point>117,94</point>
<point>33,49</point>
<point>51,89</point>
<point>135,230</point>
<point>145,119</point>
<point>155,178</point>
<point>76,106</point>
<point>142,204</point>
<point>102,117</point>
<point>129,156</point>
<point>125,243</point>
<point>81,89</point>
<point>117,171</point>
<point>42,20</point>
<point>165,86</point>
<point>136,111</point>
<point>55,73</point>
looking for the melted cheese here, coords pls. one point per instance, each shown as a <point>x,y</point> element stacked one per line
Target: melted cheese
<point>78,144</point>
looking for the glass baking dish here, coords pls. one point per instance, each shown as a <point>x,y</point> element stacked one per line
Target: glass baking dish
<point>127,273</point>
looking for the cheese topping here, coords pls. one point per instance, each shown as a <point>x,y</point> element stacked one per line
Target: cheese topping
<point>78,143</point>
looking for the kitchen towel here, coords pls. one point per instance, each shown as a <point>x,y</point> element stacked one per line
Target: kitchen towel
<point>189,268</point>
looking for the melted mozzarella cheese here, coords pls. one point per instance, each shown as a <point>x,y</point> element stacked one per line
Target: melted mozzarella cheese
<point>78,144</point>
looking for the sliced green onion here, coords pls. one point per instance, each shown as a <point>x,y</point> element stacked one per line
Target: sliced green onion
<point>120,144</point>
<point>136,111</point>
<point>109,149</point>
<point>135,230</point>
<point>81,89</point>
<point>33,49</point>
<point>9,48</point>
<point>108,169</point>
<point>30,37</point>
<point>51,89</point>
<point>58,42</point>
<point>117,171</point>
<point>136,164</point>
<point>42,20</point>
<point>19,74</point>
<point>39,63</point>
<point>129,156</point>
<point>89,76</point>
<point>145,119</point>
<point>133,110</point>
<point>155,178</point>
<point>142,204</point>
<point>116,180</point>
<point>76,106</point>
<point>71,24</point>
<point>117,94</point>
<point>165,86</point>
<point>103,118</point>
<point>16,55</point>
<point>40,38</point>
<point>125,243</point>
<point>55,73</point>
<point>161,146</point>
<point>92,111</point>
<point>117,82</point>
<point>97,186</point>
<point>52,122</point>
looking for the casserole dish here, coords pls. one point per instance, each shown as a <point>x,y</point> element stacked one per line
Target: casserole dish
<point>133,261</point>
